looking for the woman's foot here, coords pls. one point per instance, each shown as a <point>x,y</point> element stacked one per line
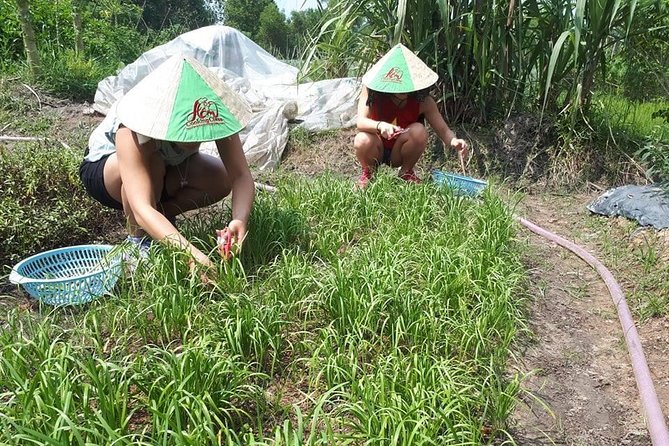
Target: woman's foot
<point>142,244</point>
<point>365,177</point>
<point>410,177</point>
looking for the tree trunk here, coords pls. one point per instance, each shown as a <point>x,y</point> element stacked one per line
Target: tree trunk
<point>589,71</point>
<point>78,31</point>
<point>29,41</point>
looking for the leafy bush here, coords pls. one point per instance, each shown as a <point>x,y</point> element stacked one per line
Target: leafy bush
<point>655,155</point>
<point>71,76</point>
<point>646,55</point>
<point>663,113</point>
<point>51,23</point>
<point>42,203</point>
<point>109,33</point>
<point>114,41</point>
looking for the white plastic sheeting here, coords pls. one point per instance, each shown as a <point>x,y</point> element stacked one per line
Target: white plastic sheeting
<point>268,85</point>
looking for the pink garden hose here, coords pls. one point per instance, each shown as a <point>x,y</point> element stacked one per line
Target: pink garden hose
<point>657,426</point>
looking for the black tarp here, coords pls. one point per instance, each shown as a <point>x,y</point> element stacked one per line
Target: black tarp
<point>649,205</point>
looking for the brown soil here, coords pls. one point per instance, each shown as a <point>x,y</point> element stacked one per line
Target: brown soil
<point>580,388</point>
<point>582,370</point>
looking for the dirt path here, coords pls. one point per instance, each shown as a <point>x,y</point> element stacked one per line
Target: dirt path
<point>583,380</point>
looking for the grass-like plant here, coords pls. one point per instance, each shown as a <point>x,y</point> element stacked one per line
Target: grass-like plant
<point>39,185</point>
<point>383,316</point>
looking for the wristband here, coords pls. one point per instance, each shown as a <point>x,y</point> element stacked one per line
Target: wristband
<point>378,123</point>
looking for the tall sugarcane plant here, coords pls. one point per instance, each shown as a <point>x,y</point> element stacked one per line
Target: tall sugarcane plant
<point>491,56</point>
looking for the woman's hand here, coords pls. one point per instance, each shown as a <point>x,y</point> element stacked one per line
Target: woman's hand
<point>461,146</point>
<point>388,131</point>
<point>238,230</point>
<point>231,238</point>
<point>206,273</point>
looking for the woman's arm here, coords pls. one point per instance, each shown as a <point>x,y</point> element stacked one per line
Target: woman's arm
<point>429,108</point>
<point>139,186</point>
<point>243,191</point>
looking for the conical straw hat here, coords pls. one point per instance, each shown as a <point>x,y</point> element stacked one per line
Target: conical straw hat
<point>399,71</point>
<point>183,101</point>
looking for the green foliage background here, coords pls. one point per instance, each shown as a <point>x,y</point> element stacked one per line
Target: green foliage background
<point>501,59</point>
<point>312,300</point>
<point>116,32</point>
<point>599,69</point>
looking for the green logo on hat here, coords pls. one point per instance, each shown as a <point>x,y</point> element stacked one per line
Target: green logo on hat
<point>183,101</point>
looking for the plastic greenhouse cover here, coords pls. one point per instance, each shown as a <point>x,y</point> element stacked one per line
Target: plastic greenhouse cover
<point>268,85</point>
<point>649,205</point>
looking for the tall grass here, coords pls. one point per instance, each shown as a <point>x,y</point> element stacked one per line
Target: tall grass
<point>635,129</point>
<point>378,317</point>
<point>492,57</point>
<point>639,120</point>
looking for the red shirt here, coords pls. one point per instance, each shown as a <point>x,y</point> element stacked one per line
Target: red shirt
<point>384,109</point>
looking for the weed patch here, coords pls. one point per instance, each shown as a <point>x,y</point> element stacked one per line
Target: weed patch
<point>389,314</point>
<point>38,191</point>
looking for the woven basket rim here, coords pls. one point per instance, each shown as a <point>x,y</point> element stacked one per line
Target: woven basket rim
<point>459,177</point>
<point>17,278</point>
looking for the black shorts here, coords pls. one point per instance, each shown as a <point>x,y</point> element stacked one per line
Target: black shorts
<point>386,155</point>
<point>92,177</point>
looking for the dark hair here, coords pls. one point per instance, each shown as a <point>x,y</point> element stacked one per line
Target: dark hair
<point>418,95</point>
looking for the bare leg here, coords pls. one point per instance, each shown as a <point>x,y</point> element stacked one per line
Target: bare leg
<point>408,148</point>
<point>205,181</point>
<point>114,186</point>
<point>368,150</point>
<point>199,181</point>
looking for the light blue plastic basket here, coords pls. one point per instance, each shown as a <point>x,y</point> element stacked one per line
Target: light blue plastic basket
<point>69,276</point>
<point>459,184</point>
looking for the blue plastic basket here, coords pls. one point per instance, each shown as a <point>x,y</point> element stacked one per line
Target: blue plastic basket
<point>459,184</point>
<point>69,276</point>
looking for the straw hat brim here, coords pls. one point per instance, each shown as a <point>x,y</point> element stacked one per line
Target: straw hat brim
<point>183,101</point>
<point>399,71</point>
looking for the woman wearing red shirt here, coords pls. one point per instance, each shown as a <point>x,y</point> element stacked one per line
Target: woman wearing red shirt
<point>393,105</point>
